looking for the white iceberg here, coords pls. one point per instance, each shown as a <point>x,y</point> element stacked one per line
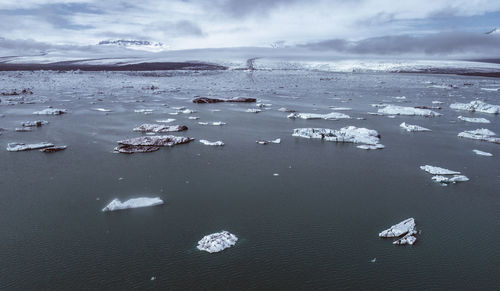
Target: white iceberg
<point>473,120</point>
<point>452,179</point>
<point>406,227</point>
<point>156,128</point>
<point>413,128</point>
<point>253,110</point>
<point>50,111</point>
<point>263,141</point>
<point>216,123</point>
<point>193,117</point>
<point>476,106</point>
<point>410,111</point>
<point>438,171</point>
<point>482,134</point>
<point>350,134</point>
<point>101,109</point>
<point>212,143</point>
<point>328,116</point>
<point>371,146</point>
<point>17,146</point>
<point>132,203</point>
<point>481,153</point>
<point>217,242</point>
<point>187,111</point>
<point>168,120</point>
<point>145,111</point>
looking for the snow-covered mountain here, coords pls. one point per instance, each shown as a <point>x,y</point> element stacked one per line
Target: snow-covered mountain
<point>143,45</point>
<point>493,31</point>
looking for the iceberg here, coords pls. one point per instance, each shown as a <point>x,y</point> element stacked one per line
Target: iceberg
<point>410,111</point>
<point>406,227</point>
<point>481,153</point>
<point>453,179</point>
<point>328,116</point>
<point>413,128</point>
<point>349,134</point>
<point>262,141</point>
<point>159,128</point>
<point>476,106</point>
<point>132,203</point>
<point>101,109</point>
<point>23,129</point>
<point>150,143</point>
<point>50,111</point>
<point>438,171</point>
<point>17,147</point>
<point>212,143</point>
<point>217,242</point>
<point>482,134</point>
<point>474,120</point>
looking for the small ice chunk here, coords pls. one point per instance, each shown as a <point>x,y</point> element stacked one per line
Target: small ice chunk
<point>408,239</point>
<point>101,109</point>
<point>23,129</point>
<point>187,111</point>
<point>481,153</point>
<point>36,123</point>
<point>413,128</point>
<point>328,116</point>
<point>17,147</point>
<point>156,128</point>
<point>404,227</point>
<point>261,105</point>
<point>132,203</point>
<point>253,110</point>
<point>373,260</point>
<point>482,134</point>
<point>438,171</point>
<point>437,102</point>
<point>143,110</point>
<point>410,111</point>
<point>50,111</point>
<point>262,141</point>
<point>371,146</point>
<point>340,108</point>
<point>202,123</point>
<point>168,120</point>
<point>474,120</point>
<point>400,98</point>
<point>491,89</point>
<point>212,143</point>
<point>193,117</point>
<point>217,242</point>
<point>453,179</point>
<point>218,123</point>
<point>283,109</point>
<point>476,106</point>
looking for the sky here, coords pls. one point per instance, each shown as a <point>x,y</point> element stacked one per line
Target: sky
<point>359,25</point>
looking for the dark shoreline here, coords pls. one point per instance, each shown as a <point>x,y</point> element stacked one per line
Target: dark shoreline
<point>72,66</point>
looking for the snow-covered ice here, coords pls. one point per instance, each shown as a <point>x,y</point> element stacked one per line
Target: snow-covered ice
<point>350,134</point>
<point>217,242</point>
<point>481,153</point>
<point>328,116</point>
<point>476,106</point>
<point>438,170</point>
<point>17,147</point>
<point>452,179</point>
<point>116,204</point>
<point>211,143</point>
<point>410,111</point>
<point>413,128</point>
<point>473,120</point>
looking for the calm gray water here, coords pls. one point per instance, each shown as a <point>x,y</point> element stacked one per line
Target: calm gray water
<point>314,226</point>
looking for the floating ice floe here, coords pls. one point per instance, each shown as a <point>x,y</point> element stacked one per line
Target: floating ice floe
<point>481,153</point>
<point>36,123</point>
<point>217,242</point>
<point>53,149</point>
<point>202,100</point>
<point>371,146</point>
<point>437,170</point>
<point>193,117</point>
<point>474,120</point>
<point>145,144</point>
<point>101,109</point>
<point>211,143</point>
<point>168,120</point>
<point>187,111</point>
<point>50,111</point>
<point>283,109</point>
<point>452,179</point>
<point>437,102</point>
<point>17,147</point>
<point>145,111</point>
<point>400,98</point>
<point>328,116</point>
<point>23,129</point>
<point>262,141</point>
<point>410,111</point>
<point>261,105</point>
<point>476,106</point>
<point>160,128</point>
<point>216,123</point>
<point>253,110</point>
<point>340,108</point>
<point>116,204</point>
<point>406,227</point>
<point>349,134</point>
<point>491,89</point>
<point>482,134</point>
<point>413,128</point>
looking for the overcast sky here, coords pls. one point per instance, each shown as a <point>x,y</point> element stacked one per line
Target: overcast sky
<point>185,24</point>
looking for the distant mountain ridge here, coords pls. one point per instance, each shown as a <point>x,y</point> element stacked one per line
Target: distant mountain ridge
<point>136,44</point>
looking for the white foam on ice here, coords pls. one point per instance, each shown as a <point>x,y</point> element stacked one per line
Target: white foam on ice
<point>217,242</point>
<point>116,204</point>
